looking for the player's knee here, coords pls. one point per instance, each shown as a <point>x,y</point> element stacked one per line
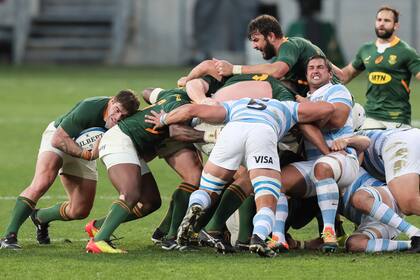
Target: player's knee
<point>130,197</point>
<point>408,205</point>
<point>356,243</point>
<point>362,200</point>
<point>322,170</point>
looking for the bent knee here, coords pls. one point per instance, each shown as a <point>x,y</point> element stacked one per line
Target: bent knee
<point>322,170</point>
<point>356,243</point>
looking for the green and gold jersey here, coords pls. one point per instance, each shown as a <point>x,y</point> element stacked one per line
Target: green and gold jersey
<point>389,75</point>
<point>295,52</point>
<point>144,137</point>
<point>86,114</point>
<point>280,92</point>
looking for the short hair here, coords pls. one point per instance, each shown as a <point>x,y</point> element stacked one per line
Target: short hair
<point>324,58</point>
<point>265,24</point>
<point>389,8</point>
<point>128,99</point>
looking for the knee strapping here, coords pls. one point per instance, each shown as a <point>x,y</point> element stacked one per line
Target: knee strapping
<point>212,183</point>
<point>264,185</point>
<point>332,163</point>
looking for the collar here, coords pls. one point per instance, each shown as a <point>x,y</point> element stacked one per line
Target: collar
<point>324,87</point>
<point>382,47</point>
<point>105,113</point>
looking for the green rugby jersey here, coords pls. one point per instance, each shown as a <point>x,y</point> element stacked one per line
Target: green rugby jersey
<point>389,75</point>
<point>295,52</point>
<point>279,91</point>
<point>86,114</point>
<point>144,137</point>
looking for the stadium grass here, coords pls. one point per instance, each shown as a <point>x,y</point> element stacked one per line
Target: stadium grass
<point>33,96</point>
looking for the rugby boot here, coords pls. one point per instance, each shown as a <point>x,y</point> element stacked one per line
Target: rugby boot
<point>185,230</point>
<point>42,234</point>
<point>157,236</point>
<point>330,244</point>
<point>415,244</point>
<point>257,245</point>
<point>208,239</point>
<point>276,246</point>
<point>90,229</point>
<point>169,244</point>
<point>98,247</point>
<point>241,246</point>
<point>10,242</point>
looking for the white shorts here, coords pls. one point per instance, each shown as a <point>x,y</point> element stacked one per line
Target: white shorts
<point>252,145</point>
<point>369,225</point>
<point>401,153</point>
<point>71,165</point>
<point>370,123</point>
<point>349,170</point>
<point>117,148</point>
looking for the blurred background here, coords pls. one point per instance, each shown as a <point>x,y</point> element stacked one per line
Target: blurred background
<point>182,32</point>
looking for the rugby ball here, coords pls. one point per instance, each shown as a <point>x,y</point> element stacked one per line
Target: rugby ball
<point>87,138</point>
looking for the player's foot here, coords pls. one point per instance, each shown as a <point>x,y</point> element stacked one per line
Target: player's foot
<point>10,242</point>
<point>330,244</point>
<point>90,229</point>
<point>415,244</point>
<point>185,230</point>
<point>169,244</point>
<point>241,246</point>
<point>157,236</point>
<point>41,229</point>
<point>97,247</point>
<point>224,247</point>
<point>278,247</point>
<point>257,245</point>
<point>208,239</point>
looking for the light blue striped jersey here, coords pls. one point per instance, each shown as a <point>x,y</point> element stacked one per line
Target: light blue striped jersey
<point>333,94</point>
<point>373,161</point>
<point>364,179</point>
<point>280,115</point>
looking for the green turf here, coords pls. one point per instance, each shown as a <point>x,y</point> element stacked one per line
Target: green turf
<point>31,97</point>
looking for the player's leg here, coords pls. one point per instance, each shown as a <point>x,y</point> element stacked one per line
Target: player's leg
<point>370,240</point>
<point>379,204</point>
<point>47,166</point>
<point>187,163</point>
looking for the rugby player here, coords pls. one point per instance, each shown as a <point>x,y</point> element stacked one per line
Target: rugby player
<point>60,155</point>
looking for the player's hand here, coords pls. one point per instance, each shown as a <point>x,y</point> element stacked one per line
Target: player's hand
<point>208,101</point>
<point>157,119</point>
<point>182,82</point>
<point>339,145</point>
<point>95,150</point>
<point>301,99</point>
<point>223,67</point>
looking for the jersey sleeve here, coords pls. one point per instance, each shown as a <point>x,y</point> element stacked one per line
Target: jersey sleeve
<point>74,122</point>
<point>339,94</point>
<point>288,53</point>
<point>414,62</point>
<point>214,84</point>
<point>227,106</point>
<point>357,63</point>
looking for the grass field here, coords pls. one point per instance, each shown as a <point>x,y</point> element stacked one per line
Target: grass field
<point>33,96</point>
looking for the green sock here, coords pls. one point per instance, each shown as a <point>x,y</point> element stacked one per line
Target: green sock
<point>181,197</point>
<point>246,214</point>
<point>231,200</point>
<point>23,208</point>
<point>134,215</point>
<point>117,214</point>
<point>165,224</point>
<point>54,213</point>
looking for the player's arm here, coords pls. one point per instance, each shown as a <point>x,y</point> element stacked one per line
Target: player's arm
<point>62,141</point>
<point>276,69</point>
<point>347,73</point>
<point>207,67</point>
<point>185,133</point>
<point>315,111</point>
<point>339,116</point>
<point>417,76</point>
<point>359,142</point>
<point>314,135</point>
<point>197,89</point>
<point>207,113</point>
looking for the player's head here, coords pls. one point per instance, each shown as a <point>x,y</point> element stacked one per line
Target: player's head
<point>318,71</point>
<point>386,22</point>
<point>262,32</point>
<point>122,105</point>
